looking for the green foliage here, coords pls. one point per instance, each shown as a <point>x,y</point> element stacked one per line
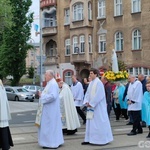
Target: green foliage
<point>122,66</point>
<point>14,45</point>
<point>31,72</point>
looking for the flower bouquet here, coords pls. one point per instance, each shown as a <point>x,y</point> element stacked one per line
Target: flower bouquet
<point>121,76</point>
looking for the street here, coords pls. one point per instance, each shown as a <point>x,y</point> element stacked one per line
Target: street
<point>24,133</point>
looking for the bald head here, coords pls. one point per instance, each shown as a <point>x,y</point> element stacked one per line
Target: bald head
<point>141,77</point>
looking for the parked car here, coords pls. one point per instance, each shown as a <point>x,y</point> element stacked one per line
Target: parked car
<point>34,89</point>
<point>19,94</point>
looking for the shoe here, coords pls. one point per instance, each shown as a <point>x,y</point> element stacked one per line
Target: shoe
<point>139,132</point>
<point>148,136</point>
<point>85,143</point>
<point>129,123</point>
<point>49,147</point>
<point>143,124</point>
<point>131,133</point>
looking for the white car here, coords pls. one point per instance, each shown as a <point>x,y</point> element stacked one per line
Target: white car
<point>34,89</point>
<point>19,94</point>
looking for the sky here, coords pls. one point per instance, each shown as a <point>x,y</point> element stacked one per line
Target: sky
<point>35,8</point>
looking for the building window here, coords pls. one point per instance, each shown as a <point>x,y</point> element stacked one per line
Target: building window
<point>67,77</point>
<point>102,43</point>
<point>90,44</point>
<point>146,72</point>
<point>67,16</point>
<point>136,39</point>
<point>139,70</point>
<point>78,12</point>
<point>75,45</point>
<point>118,7</point>
<point>67,47</point>
<point>130,71</point>
<point>89,11</point>
<point>101,9</point>
<point>82,44</point>
<point>136,6</point>
<point>118,41</point>
<point>49,20</point>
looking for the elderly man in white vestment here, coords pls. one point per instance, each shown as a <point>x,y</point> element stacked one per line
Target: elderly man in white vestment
<point>5,135</point>
<point>50,131</point>
<point>69,116</point>
<point>98,129</point>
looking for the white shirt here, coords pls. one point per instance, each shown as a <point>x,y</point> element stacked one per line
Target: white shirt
<point>135,93</point>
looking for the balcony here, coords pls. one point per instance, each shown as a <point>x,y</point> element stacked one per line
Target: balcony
<point>46,3</point>
<point>47,31</point>
<point>80,58</point>
<point>50,60</point>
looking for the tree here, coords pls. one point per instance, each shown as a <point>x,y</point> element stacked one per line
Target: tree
<point>14,48</point>
<point>31,72</point>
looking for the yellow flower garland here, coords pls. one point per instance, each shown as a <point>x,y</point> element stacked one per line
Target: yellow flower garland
<point>112,76</point>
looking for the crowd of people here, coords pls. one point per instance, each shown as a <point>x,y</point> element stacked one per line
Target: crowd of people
<point>92,101</point>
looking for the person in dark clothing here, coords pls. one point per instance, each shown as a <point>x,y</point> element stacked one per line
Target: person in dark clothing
<point>108,92</point>
<point>124,96</point>
<point>85,85</point>
<point>142,79</point>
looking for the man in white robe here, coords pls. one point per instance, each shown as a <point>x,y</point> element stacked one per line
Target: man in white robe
<point>78,95</point>
<point>98,129</point>
<point>69,116</point>
<point>50,130</point>
<point>134,100</point>
<point>5,135</point>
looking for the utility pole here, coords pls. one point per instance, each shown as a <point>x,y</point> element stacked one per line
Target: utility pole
<point>41,52</point>
<point>34,55</point>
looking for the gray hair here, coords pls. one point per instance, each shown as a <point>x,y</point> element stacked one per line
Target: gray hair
<point>50,72</point>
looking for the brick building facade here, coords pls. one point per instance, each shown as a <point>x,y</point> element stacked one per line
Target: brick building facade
<point>80,34</point>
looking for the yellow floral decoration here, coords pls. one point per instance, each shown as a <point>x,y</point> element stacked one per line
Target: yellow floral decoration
<point>112,76</point>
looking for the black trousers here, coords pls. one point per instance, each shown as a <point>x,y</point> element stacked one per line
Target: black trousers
<point>5,138</point>
<point>136,115</point>
<point>81,113</point>
<point>124,113</point>
<point>117,111</point>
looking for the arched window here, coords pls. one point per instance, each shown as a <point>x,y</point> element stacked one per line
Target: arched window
<point>67,76</point>
<point>136,39</point>
<point>78,12</point>
<point>89,11</point>
<point>118,41</point>
<point>67,47</point>
<point>90,44</point>
<point>82,44</point>
<point>102,43</point>
<point>75,45</point>
<point>51,49</point>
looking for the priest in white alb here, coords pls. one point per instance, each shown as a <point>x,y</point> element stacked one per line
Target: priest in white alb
<point>69,116</point>
<point>98,129</point>
<point>50,128</point>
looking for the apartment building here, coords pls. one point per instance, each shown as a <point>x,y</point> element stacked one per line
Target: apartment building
<point>80,34</point>
<point>32,56</point>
